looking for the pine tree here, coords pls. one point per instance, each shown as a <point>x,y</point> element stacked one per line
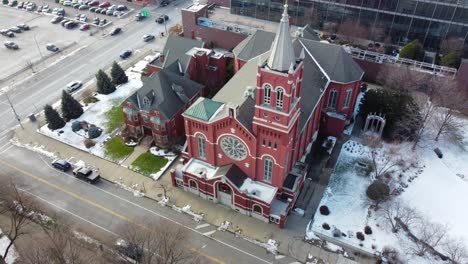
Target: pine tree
<point>53,118</point>
<point>71,108</point>
<point>104,84</point>
<point>118,74</point>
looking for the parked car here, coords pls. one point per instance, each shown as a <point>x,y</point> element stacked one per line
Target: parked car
<point>45,9</point>
<point>71,25</point>
<point>76,6</point>
<point>85,27</point>
<point>62,165</point>
<point>87,174</point>
<point>117,13</point>
<point>39,9</point>
<point>105,4</point>
<point>148,38</point>
<point>20,5</point>
<point>15,29</point>
<point>11,45</point>
<point>64,21</point>
<point>9,34</point>
<point>109,12</point>
<point>93,9</point>
<point>98,10</point>
<point>103,22</point>
<point>67,3</point>
<point>121,8</point>
<point>94,3</point>
<point>12,3</point>
<point>24,27</point>
<point>73,86</point>
<point>96,21</point>
<point>125,54</point>
<point>83,18</point>
<point>162,18</point>
<point>103,11</point>
<point>25,5</point>
<point>56,19</point>
<point>164,3</point>
<point>115,31</point>
<point>52,47</point>
<point>31,7</point>
<point>83,7</point>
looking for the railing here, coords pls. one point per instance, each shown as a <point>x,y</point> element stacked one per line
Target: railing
<point>231,27</point>
<point>388,59</point>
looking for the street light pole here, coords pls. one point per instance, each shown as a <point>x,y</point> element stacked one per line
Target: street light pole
<point>37,45</point>
<point>14,111</point>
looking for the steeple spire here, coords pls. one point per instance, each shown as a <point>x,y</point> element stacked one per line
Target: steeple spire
<point>282,53</point>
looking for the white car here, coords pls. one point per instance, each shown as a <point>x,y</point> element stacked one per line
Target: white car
<point>73,86</point>
<point>83,18</point>
<point>67,3</point>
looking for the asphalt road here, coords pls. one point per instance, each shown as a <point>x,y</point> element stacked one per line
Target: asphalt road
<point>32,94</point>
<point>103,209</point>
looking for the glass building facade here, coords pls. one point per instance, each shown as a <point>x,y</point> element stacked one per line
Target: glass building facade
<point>401,20</point>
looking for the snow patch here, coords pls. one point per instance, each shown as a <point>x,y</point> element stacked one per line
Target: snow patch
<point>4,242</point>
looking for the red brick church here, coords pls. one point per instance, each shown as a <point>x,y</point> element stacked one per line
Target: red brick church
<point>246,146</point>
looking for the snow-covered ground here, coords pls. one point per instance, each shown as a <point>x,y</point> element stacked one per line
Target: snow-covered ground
<point>11,257</point>
<point>436,188</point>
<point>96,114</point>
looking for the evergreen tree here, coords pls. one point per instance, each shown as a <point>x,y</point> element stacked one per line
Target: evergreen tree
<point>71,108</point>
<point>53,118</point>
<point>413,51</point>
<point>451,60</point>
<point>118,74</point>
<point>104,84</point>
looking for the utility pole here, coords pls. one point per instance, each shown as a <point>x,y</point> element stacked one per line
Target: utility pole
<point>14,111</point>
<point>37,45</point>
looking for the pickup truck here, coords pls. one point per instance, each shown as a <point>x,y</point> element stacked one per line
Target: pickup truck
<point>90,175</point>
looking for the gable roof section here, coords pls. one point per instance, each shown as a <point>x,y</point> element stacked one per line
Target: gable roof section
<point>309,33</point>
<point>254,45</point>
<point>203,109</point>
<point>176,48</point>
<point>334,60</point>
<point>236,176</point>
<point>167,91</point>
<point>245,113</point>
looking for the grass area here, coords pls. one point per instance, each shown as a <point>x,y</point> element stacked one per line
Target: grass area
<point>116,150</point>
<point>148,163</point>
<point>115,118</point>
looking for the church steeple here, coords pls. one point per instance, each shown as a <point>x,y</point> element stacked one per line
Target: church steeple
<point>282,53</point>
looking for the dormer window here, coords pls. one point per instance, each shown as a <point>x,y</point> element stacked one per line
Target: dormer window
<point>267,94</point>
<point>146,101</point>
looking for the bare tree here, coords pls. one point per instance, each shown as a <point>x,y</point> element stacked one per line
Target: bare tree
<point>352,31</point>
<point>452,45</point>
<point>426,108</point>
<point>30,65</point>
<point>156,243</point>
<point>450,100</point>
<point>456,250</point>
<point>429,235</point>
<point>15,206</point>
<point>394,212</point>
<point>377,33</point>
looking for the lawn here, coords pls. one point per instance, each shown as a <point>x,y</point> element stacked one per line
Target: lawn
<point>116,150</point>
<point>148,164</point>
<point>115,118</point>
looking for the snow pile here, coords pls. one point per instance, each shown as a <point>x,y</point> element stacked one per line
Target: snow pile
<point>133,189</point>
<point>12,255</point>
<point>187,209</point>
<point>96,114</point>
<point>34,147</point>
<point>224,226</point>
<point>161,152</point>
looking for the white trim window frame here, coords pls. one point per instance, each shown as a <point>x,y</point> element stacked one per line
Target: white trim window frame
<point>201,147</point>
<point>267,94</point>
<point>332,98</point>
<point>268,169</point>
<point>279,98</point>
<point>347,100</point>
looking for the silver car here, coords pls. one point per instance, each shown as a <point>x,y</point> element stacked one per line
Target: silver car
<point>73,86</point>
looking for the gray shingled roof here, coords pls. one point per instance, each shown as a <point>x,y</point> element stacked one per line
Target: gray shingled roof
<point>203,109</point>
<point>334,60</point>
<point>176,47</point>
<point>245,114</point>
<point>308,33</point>
<point>167,91</point>
<point>254,45</point>
<point>236,175</point>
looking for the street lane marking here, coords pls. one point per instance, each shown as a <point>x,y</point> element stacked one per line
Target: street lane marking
<point>209,233</point>
<point>65,210</point>
<point>100,207</point>
<point>6,148</point>
<point>202,226</point>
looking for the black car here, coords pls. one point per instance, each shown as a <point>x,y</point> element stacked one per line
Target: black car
<point>24,27</point>
<point>126,54</point>
<point>115,31</point>
<point>56,19</point>
<point>62,165</point>
<point>10,45</point>
<point>164,3</point>
<point>162,18</point>
<point>15,29</point>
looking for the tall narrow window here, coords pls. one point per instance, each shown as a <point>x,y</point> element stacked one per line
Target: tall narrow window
<point>201,147</point>
<point>332,98</point>
<point>347,100</point>
<point>279,98</point>
<point>268,169</point>
<point>267,94</point>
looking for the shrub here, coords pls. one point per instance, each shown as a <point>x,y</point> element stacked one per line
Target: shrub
<point>94,132</point>
<point>451,60</point>
<point>324,210</point>
<point>413,51</point>
<point>360,236</point>
<point>326,226</point>
<point>5,2</point>
<point>378,191</point>
<point>76,125</point>
<point>89,143</point>
<point>368,230</point>
<point>336,232</point>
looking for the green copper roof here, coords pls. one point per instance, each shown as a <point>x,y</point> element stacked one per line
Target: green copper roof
<point>203,109</point>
